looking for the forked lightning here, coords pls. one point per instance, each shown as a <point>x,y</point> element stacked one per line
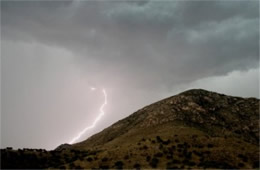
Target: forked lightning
<point>102,112</point>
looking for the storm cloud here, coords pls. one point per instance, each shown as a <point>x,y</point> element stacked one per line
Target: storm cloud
<point>141,51</point>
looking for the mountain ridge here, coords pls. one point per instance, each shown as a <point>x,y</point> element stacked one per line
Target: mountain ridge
<point>201,97</point>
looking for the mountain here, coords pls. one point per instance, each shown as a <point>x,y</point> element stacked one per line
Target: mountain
<point>194,129</point>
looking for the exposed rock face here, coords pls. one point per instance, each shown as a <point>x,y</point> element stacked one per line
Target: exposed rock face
<point>213,113</point>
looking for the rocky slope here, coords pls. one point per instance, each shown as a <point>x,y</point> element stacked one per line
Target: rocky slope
<point>194,129</point>
<point>212,113</point>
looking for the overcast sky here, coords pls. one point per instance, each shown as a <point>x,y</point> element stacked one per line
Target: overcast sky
<point>139,51</point>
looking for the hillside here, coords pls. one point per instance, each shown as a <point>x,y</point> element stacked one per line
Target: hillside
<point>194,129</point>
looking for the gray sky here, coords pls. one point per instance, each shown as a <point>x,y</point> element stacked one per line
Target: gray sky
<point>139,51</point>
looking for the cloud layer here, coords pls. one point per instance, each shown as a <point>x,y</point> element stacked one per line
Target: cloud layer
<point>165,42</point>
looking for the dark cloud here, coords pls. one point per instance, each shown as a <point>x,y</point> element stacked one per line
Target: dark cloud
<point>165,42</point>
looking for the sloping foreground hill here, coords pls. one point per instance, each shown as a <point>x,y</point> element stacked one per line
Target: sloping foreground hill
<point>195,129</point>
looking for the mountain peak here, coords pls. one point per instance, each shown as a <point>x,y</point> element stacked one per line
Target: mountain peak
<point>212,113</point>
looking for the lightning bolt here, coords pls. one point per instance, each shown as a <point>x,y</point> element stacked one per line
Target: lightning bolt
<point>101,109</point>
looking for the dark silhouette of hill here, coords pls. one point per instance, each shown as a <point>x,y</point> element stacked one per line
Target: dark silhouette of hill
<point>194,129</point>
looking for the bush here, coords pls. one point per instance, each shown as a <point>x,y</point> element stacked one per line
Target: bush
<point>210,145</point>
<point>241,165</point>
<point>104,159</point>
<point>215,164</point>
<point>104,167</point>
<point>126,157</point>
<point>243,157</point>
<point>188,155</point>
<point>89,159</point>
<point>256,164</point>
<point>169,156</point>
<point>167,142</point>
<point>137,166</point>
<point>159,154</point>
<point>145,147</point>
<point>175,161</point>
<point>148,158</point>
<point>119,164</point>
<point>207,152</point>
<point>158,138</point>
<point>180,146</point>
<point>62,167</point>
<point>154,162</point>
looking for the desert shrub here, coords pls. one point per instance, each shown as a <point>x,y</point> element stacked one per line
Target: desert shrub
<point>165,151</point>
<point>145,147</point>
<point>143,139</point>
<point>126,157</point>
<point>188,155</point>
<point>78,167</point>
<point>103,167</point>
<point>188,162</point>
<point>167,142</point>
<point>169,156</point>
<point>177,140</point>
<point>71,165</point>
<point>173,147</point>
<point>160,146</point>
<point>238,132</point>
<point>104,159</point>
<point>243,157</point>
<point>170,151</point>
<point>198,146</point>
<point>191,163</point>
<point>159,154</point>
<point>179,150</point>
<point>175,161</point>
<point>185,161</point>
<point>194,136</point>
<point>159,139</point>
<point>241,165</point>
<point>256,164</point>
<point>210,145</point>
<point>148,158</point>
<point>215,164</point>
<point>137,166</point>
<point>89,159</point>
<point>202,159</point>
<point>154,162</point>
<point>62,167</point>
<point>207,152</point>
<point>186,145</point>
<point>170,165</point>
<point>197,153</point>
<point>180,146</point>
<point>84,154</point>
<point>119,164</point>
